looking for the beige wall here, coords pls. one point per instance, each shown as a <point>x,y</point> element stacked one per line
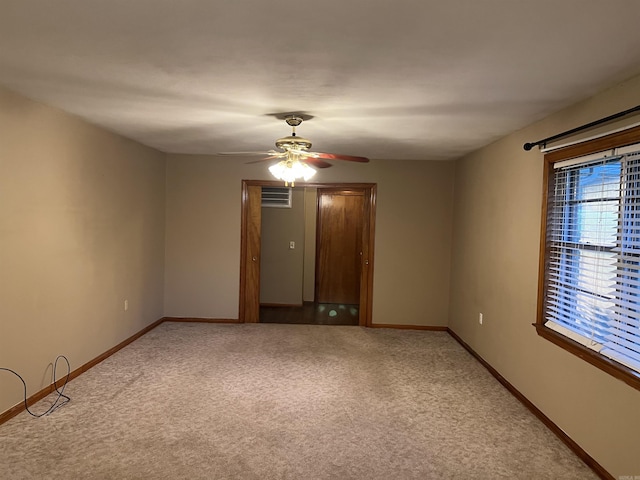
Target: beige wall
<point>281,268</point>
<point>498,196</point>
<point>413,235</point>
<point>81,230</point>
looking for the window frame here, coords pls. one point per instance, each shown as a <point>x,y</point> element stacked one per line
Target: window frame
<point>615,140</point>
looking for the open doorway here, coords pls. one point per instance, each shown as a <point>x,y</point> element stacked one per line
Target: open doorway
<point>310,260</point>
<point>345,211</point>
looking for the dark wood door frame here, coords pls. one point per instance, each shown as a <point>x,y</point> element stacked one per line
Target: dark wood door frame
<point>250,247</point>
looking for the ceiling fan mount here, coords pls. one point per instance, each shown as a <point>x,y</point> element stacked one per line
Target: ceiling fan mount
<point>293,120</point>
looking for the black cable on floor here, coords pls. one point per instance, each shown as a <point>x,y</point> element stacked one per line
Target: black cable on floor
<point>61,394</point>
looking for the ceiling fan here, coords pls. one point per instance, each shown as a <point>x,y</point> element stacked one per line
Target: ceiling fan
<point>295,159</point>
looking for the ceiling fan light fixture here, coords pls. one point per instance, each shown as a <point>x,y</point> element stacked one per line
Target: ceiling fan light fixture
<point>290,170</point>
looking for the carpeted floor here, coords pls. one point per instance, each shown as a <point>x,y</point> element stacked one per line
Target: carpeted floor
<point>206,401</point>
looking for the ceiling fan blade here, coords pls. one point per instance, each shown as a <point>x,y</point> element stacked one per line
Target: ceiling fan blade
<point>336,156</point>
<point>259,161</point>
<point>270,152</point>
<point>329,156</point>
<point>316,162</point>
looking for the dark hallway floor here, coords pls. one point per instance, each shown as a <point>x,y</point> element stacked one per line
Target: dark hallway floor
<point>311,313</point>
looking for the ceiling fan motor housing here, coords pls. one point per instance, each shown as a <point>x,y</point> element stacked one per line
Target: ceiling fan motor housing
<point>295,142</point>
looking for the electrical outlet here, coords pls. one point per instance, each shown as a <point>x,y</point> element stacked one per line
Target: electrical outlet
<point>126,305</point>
<point>480,318</point>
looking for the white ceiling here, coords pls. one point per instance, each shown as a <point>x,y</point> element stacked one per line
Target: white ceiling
<point>396,79</point>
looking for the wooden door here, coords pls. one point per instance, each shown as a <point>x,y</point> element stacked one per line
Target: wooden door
<point>250,254</point>
<point>339,246</point>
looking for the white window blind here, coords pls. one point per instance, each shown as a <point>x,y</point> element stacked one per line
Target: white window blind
<point>592,284</point>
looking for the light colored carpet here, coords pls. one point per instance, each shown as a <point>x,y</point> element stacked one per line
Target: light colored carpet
<point>206,401</point>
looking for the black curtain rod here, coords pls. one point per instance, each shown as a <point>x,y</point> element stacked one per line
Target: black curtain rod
<point>543,142</point>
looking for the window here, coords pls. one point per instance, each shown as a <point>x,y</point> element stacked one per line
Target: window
<point>590,269</point>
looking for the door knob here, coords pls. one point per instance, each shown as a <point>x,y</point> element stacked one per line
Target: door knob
<point>254,258</point>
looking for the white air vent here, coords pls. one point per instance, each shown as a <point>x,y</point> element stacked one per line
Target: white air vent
<point>279,197</point>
